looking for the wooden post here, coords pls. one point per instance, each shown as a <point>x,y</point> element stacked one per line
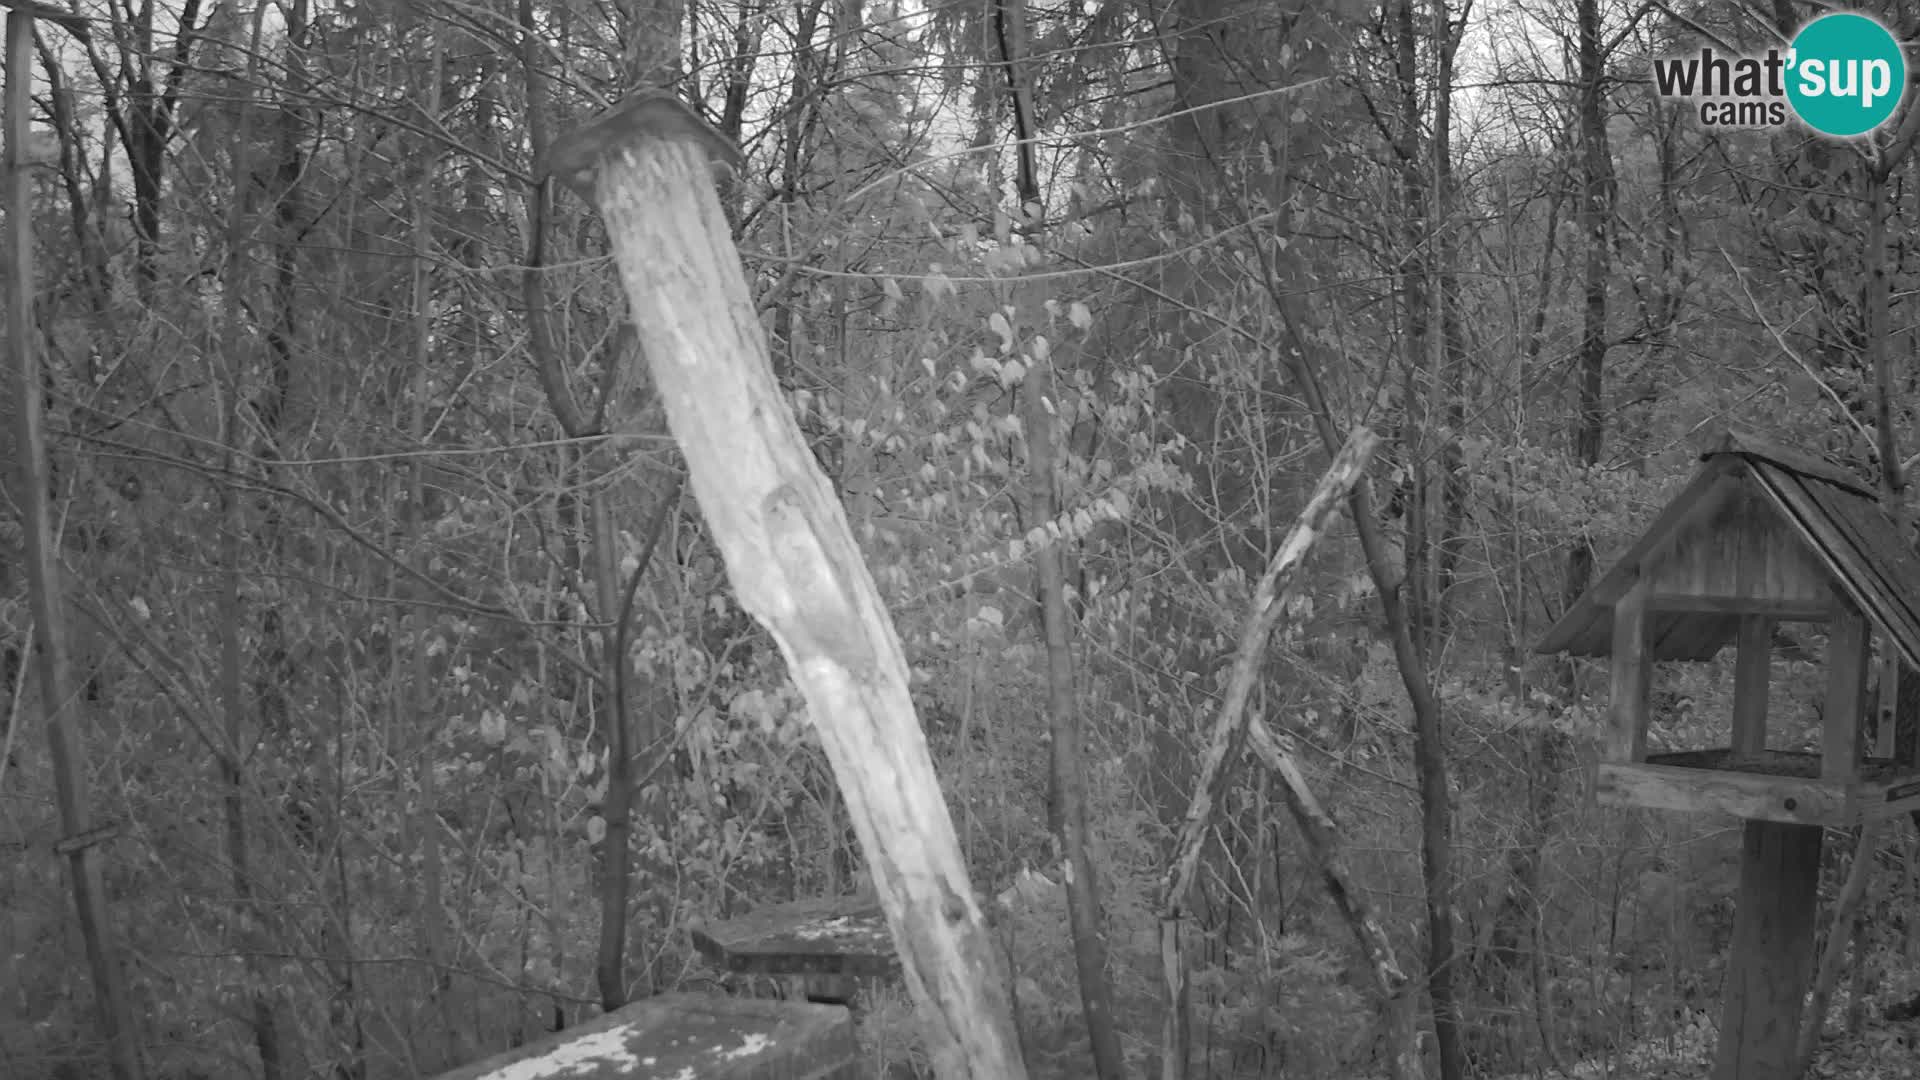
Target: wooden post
<point>1771,958</point>
<point>790,554</point>
<point>1840,728</point>
<point>1632,672</point>
<point>1887,703</point>
<point>1752,672</point>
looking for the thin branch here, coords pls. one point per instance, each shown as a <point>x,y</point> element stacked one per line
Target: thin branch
<point>1759,313</point>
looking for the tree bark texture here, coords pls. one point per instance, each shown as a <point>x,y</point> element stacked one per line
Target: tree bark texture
<point>791,556</point>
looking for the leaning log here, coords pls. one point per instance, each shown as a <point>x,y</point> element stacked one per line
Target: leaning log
<point>790,555</point>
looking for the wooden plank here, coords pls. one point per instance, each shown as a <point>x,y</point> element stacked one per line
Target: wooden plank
<point>1771,957</point>
<point>1783,610</point>
<point>1775,563</point>
<point>1632,677</point>
<point>1886,703</point>
<point>1737,441</point>
<point>827,945</point>
<point>1705,791</point>
<point>1740,548</point>
<point>1906,720</point>
<point>1752,672</point>
<point>1889,570</point>
<point>1854,536</point>
<point>1897,800</point>
<point>66,20</point>
<point>1673,635</point>
<point>1582,629</point>
<point>1840,728</point>
<point>801,938</point>
<point>1676,636</point>
<point>688,1037</point>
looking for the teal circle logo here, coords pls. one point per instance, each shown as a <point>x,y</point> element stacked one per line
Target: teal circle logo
<point>1847,74</point>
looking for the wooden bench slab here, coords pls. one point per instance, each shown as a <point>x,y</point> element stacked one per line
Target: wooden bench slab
<point>688,1037</point>
<point>808,937</point>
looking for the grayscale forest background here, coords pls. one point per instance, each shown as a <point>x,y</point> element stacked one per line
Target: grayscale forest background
<point>350,497</point>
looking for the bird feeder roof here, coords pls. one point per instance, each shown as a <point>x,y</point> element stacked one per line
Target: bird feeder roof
<point>1759,527</point>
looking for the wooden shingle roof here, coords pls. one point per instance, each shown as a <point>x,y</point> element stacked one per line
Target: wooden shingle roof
<point>1812,508</point>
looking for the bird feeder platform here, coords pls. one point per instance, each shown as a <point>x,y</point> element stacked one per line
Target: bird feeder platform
<point>688,1037</point>
<point>825,945</point>
<point>1762,785</point>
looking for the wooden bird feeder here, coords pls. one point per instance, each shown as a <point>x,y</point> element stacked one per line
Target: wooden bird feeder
<point>1763,535</point>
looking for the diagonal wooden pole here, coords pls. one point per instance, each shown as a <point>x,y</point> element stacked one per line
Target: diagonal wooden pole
<point>790,554</point>
<point>1270,599</point>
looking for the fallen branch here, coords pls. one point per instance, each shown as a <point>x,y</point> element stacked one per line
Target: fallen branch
<point>1270,599</point>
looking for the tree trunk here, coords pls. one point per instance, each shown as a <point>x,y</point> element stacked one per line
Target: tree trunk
<point>1067,753</point>
<point>1066,756</point>
<point>1429,748</point>
<point>1430,760</point>
<point>790,556</point>
<point>1446,332</point>
<point>252,944</point>
<point>58,703</point>
<point>596,561</point>
<point>413,697</point>
<point>1416,309</point>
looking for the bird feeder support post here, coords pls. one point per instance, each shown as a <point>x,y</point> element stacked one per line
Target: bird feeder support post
<point>1632,677</point>
<point>1770,961</point>
<point>1771,958</point>
<point>1840,729</point>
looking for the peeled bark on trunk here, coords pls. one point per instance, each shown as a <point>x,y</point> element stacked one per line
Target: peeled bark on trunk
<point>791,556</point>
